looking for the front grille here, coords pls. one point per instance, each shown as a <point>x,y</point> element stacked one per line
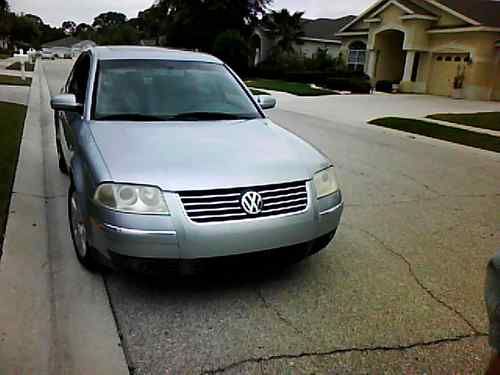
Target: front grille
<point>207,206</point>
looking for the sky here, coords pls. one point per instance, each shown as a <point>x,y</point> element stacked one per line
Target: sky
<point>54,12</point>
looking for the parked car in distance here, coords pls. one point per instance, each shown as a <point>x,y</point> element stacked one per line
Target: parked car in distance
<point>171,157</point>
<point>47,55</point>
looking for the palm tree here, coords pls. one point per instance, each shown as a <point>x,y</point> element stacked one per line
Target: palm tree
<point>286,28</point>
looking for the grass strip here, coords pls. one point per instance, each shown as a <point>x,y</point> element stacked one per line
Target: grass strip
<point>11,130</point>
<point>295,88</point>
<point>14,80</point>
<point>483,120</point>
<point>445,133</point>
<point>29,67</point>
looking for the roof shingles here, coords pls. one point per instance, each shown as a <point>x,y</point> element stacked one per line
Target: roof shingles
<point>486,12</point>
<point>324,28</point>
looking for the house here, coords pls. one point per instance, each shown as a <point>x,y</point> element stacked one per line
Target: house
<point>318,33</point>
<point>67,46</point>
<point>426,44</point>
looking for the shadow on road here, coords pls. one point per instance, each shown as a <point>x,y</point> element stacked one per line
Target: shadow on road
<point>208,276</point>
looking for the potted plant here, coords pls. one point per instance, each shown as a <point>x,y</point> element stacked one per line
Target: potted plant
<point>458,83</point>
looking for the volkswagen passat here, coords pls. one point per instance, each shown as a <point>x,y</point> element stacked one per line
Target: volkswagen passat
<point>171,157</point>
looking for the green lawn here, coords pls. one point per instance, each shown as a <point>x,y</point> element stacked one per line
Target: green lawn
<point>446,133</point>
<point>13,80</point>
<point>484,120</point>
<point>295,88</point>
<point>4,56</point>
<point>11,129</point>
<point>17,66</point>
<point>258,92</point>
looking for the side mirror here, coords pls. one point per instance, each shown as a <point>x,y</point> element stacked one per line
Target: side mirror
<point>265,101</point>
<point>65,102</point>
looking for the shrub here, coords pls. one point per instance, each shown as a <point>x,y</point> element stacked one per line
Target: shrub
<point>293,68</point>
<point>29,67</point>
<point>384,86</point>
<point>353,84</point>
<point>231,48</point>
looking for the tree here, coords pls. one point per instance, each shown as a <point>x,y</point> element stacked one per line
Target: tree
<point>230,47</point>
<point>286,28</point>
<point>108,19</point>
<point>49,34</point>
<point>84,31</point>
<point>25,31</point>
<point>6,22</point>
<point>196,23</point>
<point>35,19</point>
<point>69,27</point>
<point>4,7</point>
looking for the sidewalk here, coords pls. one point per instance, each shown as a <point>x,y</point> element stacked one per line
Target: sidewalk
<point>56,317</point>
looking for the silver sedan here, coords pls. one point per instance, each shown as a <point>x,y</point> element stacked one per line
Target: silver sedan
<point>171,157</point>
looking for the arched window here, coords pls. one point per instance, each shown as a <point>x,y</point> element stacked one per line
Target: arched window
<point>357,56</point>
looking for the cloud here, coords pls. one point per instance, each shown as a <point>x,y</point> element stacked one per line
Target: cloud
<point>55,12</point>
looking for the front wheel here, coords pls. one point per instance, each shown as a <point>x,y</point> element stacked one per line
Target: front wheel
<point>84,252</point>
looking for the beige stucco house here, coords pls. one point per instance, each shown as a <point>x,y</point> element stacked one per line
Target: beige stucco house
<point>425,44</point>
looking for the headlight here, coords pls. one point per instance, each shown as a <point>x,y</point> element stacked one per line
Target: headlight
<point>131,198</point>
<point>325,182</point>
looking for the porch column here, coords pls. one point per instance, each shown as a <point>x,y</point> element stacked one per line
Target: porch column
<point>372,63</point>
<point>410,59</point>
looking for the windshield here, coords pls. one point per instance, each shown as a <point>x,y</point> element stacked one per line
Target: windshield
<point>159,90</point>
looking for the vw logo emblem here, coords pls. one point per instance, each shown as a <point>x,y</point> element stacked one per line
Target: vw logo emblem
<point>252,202</point>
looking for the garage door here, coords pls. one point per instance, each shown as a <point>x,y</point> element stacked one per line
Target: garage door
<point>443,72</point>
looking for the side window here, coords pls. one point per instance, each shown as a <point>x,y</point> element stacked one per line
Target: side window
<point>79,79</point>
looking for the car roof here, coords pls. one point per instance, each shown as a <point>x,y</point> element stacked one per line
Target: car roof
<point>150,53</point>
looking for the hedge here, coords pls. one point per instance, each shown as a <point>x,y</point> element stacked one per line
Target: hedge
<point>354,85</point>
<point>356,82</point>
<point>385,86</point>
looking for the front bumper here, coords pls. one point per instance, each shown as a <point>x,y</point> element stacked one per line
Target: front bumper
<point>177,237</point>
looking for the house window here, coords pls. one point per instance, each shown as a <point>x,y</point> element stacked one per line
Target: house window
<point>439,58</point>
<point>458,58</point>
<point>448,58</point>
<point>357,56</point>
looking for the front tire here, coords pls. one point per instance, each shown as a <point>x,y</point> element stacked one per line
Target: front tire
<point>84,252</point>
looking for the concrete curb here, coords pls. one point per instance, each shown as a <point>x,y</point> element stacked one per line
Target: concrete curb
<point>56,317</point>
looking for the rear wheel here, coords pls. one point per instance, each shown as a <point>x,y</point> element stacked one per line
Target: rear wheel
<point>84,253</point>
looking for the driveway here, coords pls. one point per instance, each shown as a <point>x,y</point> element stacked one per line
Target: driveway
<point>14,94</point>
<point>357,109</point>
<point>398,290</point>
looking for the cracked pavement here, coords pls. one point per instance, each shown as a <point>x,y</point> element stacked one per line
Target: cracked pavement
<point>399,290</point>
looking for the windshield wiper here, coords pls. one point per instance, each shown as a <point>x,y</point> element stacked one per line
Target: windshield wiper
<point>197,116</point>
<point>131,117</point>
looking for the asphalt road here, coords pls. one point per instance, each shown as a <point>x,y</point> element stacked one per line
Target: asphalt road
<point>398,290</point>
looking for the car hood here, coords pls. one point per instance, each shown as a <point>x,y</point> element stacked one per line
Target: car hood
<point>183,155</point>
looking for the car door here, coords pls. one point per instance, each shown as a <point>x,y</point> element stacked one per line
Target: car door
<point>76,85</point>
